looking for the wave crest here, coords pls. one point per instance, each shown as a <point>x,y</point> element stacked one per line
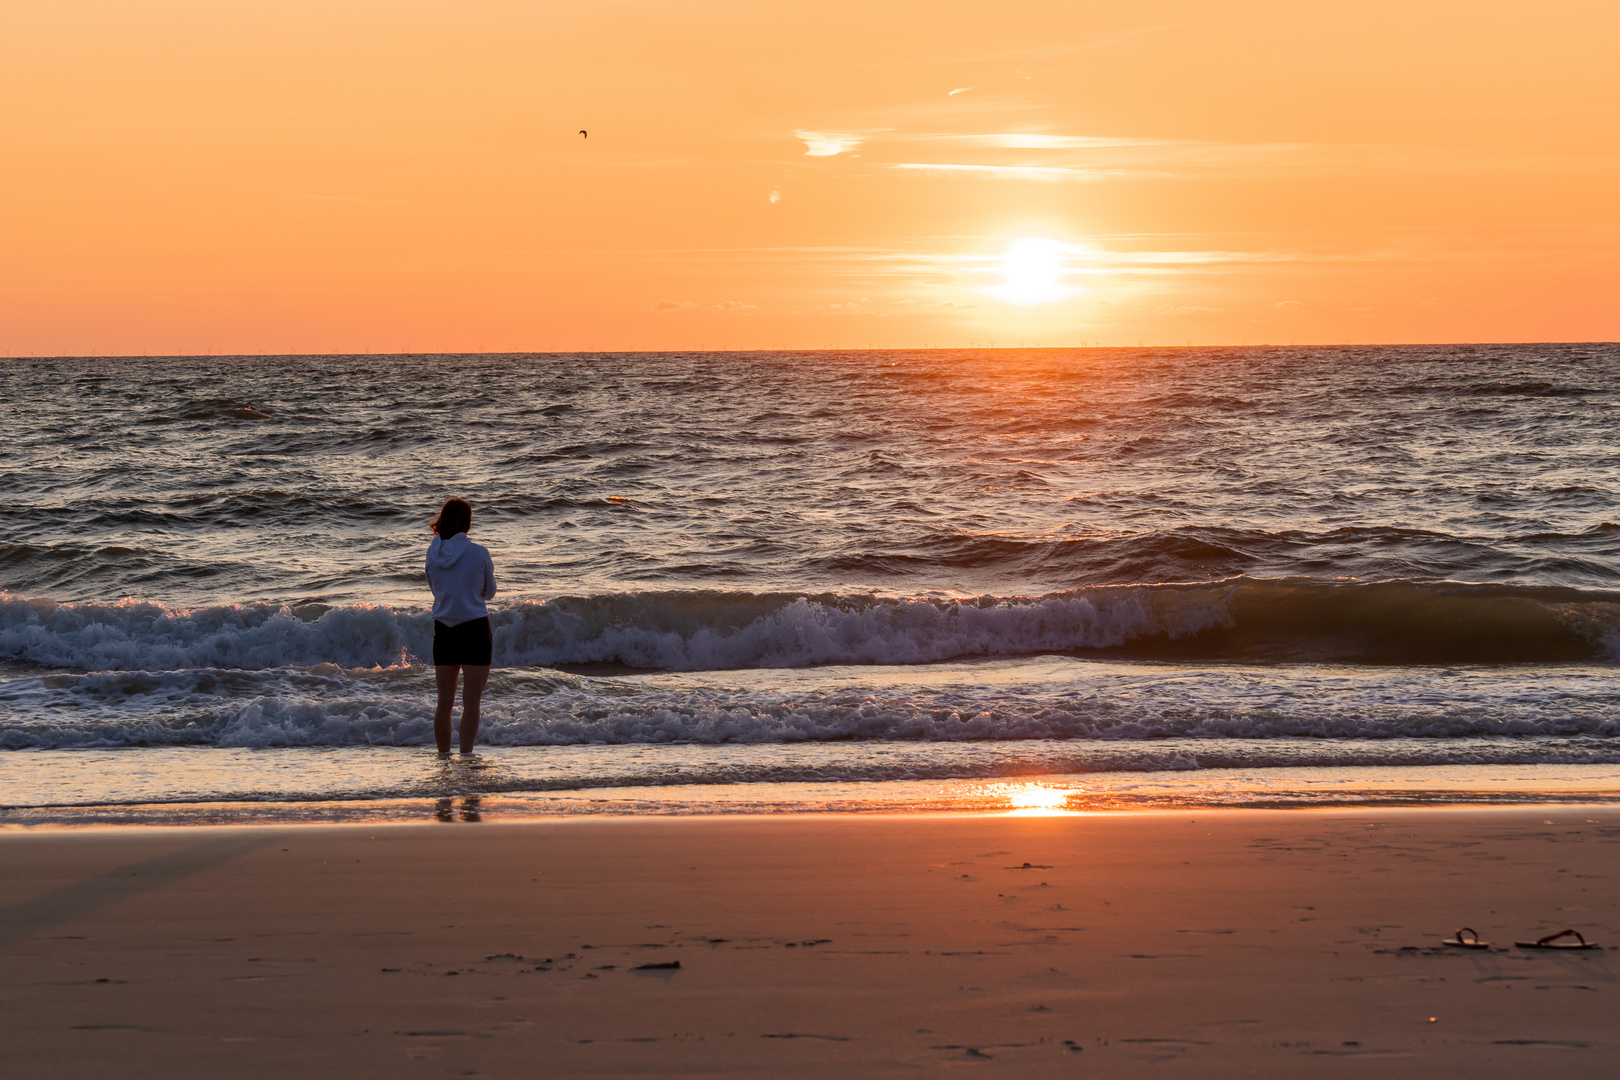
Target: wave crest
<point>1290,620</point>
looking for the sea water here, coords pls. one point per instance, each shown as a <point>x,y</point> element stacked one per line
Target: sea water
<point>789,581</point>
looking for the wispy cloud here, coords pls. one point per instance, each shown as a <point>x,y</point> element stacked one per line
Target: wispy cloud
<point>919,305</point>
<point>1127,156</point>
<point>905,143</point>
<point>828,143</point>
<point>1021,140</point>
<point>1065,157</point>
<point>666,307</point>
<point>1049,174</point>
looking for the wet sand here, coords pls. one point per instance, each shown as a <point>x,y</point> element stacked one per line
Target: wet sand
<point>1225,943</point>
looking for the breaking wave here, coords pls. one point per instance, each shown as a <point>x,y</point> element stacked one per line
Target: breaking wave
<point>1015,701</point>
<point>1271,621</point>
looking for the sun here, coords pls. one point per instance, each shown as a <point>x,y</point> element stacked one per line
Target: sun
<point>1033,272</point>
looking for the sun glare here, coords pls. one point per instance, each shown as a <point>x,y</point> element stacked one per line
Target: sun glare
<point>1032,272</point>
<point>1036,800</point>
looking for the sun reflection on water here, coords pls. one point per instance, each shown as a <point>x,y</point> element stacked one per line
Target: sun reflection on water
<point>1037,800</point>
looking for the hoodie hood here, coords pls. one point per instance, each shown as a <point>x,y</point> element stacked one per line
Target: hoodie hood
<point>443,554</point>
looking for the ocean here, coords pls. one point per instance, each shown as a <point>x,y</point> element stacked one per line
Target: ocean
<point>1039,580</point>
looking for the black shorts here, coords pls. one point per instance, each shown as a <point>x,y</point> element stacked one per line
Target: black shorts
<point>468,643</point>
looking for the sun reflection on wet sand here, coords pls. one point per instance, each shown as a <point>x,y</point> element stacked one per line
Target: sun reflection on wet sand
<point>1036,800</point>
<point>210,786</point>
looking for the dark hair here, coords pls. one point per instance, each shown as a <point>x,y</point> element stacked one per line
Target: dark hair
<point>455,516</point>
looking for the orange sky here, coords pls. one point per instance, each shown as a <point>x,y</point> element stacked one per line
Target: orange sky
<point>387,175</point>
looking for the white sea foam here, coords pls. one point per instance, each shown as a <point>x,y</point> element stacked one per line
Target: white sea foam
<point>139,635</point>
<point>678,631</point>
<point>1294,619</point>
<point>1015,701</point>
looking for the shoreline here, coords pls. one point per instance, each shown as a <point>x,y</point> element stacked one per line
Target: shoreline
<point>525,820</point>
<point>216,816</point>
<point>484,791</point>
<point>1235,942</point>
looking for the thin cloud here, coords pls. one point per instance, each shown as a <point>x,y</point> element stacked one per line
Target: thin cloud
<point>959,90</point>
<point>897,138</point>
<point>1048,174</point>
<point>1287,305</point>
<point>1125,151</point>
<point>943,305</point>
<point>735,305</point>
<point>1191,309</point>
<point>664,306</point>
<point>1019,140</point>
<point>828,143</point>
<point>1052,156</point>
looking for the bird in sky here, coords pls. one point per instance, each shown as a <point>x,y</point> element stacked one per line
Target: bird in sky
<point>582,132</point>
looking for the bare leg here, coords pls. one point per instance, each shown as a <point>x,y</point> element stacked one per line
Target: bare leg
<point>472,696</point>
<point>445,676</point>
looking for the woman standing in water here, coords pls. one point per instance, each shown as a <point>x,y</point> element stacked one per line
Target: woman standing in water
<point>462,577</point>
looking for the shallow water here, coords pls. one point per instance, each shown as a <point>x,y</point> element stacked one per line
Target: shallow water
<point>207,786</point>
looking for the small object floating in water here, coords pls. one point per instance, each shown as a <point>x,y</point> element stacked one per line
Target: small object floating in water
<point>1551,941</point>
<point>1466,938</point>
<point>673,965</point>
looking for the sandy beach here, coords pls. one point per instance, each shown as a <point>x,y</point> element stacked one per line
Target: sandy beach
<point>1227,943</point>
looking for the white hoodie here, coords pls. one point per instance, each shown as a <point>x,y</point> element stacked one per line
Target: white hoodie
<point>462,576</point>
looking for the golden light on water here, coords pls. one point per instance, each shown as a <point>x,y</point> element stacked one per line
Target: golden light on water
<point>1037,800</point>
